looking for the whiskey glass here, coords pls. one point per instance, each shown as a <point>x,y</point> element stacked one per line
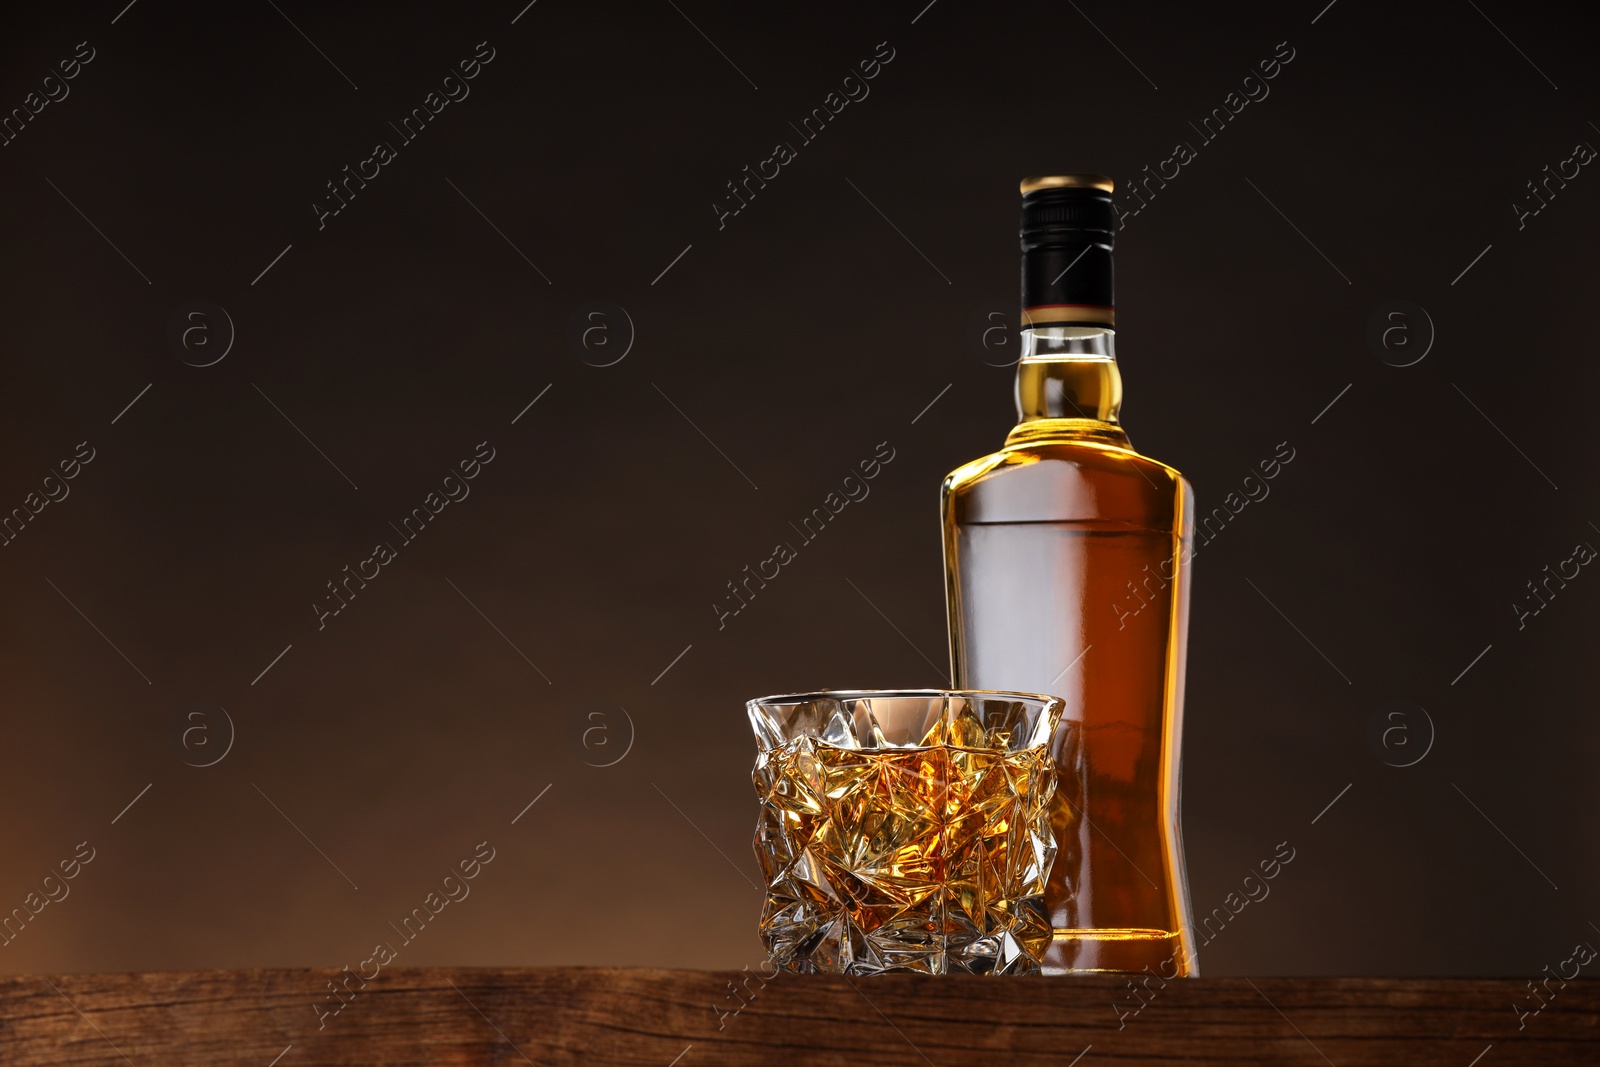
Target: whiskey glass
<point>905,830</point>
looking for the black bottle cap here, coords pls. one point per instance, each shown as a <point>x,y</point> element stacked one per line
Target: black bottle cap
<point>1067,225</point>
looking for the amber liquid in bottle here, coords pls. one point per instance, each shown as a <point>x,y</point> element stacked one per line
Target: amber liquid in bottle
<point>1067,573</point>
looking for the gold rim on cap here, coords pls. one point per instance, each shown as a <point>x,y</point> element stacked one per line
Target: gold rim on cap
<point>1062,314</point>
<point>1068,181</point>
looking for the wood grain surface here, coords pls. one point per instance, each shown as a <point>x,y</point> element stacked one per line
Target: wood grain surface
<point>662,1018</point>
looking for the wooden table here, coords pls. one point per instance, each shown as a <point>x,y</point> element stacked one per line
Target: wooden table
<point>660,1018</point>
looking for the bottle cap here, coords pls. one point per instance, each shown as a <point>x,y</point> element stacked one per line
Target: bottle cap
<point>1067,226</point>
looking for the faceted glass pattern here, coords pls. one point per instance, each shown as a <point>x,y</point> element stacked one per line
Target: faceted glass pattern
<point>905,831</point>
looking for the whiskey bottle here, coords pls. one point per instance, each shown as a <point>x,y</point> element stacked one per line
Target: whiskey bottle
<point>1067,559</point>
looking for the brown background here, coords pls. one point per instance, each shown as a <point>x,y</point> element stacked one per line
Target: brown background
<point>797,338</point>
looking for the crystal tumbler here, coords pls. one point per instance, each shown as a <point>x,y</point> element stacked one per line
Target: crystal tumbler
<point>905,830</point>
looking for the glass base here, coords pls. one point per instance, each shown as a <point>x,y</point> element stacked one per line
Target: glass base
<point>1099,951</point>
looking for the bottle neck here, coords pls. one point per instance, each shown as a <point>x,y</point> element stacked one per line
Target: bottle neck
<point>1068,386</point>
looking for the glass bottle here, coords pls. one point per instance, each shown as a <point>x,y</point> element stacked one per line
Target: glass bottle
<point>1067,559</point>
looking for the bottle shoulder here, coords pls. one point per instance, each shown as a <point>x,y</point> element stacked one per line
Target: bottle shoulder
<point>1080,481</point>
